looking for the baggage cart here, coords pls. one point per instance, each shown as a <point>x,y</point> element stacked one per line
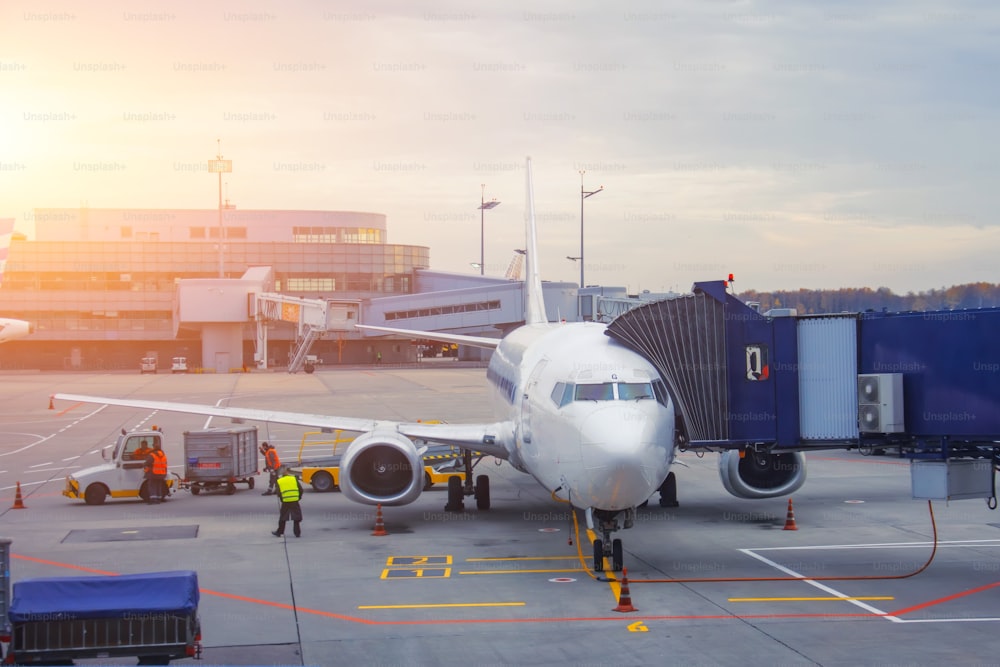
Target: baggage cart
<point>220,458</point>
<point>153,616</point>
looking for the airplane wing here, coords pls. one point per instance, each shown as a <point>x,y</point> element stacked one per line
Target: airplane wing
<point>493,439</point>
<point>460,339</point>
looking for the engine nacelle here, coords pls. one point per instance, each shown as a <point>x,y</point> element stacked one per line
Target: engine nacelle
<point>763,474</point>
<point>382,467</point>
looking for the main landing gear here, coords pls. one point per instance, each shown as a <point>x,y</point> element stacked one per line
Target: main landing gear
<point>457,490</point>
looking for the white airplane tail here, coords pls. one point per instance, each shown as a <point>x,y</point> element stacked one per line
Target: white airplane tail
<point>534,303</point>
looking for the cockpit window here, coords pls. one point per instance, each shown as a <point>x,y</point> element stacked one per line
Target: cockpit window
<point>628,391</point>
<point>595,392</point>
<point>562,394</point>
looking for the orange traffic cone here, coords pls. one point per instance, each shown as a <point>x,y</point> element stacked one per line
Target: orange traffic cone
<point>790,521</point>
<point>51,406</point>
<point>379,526</point>
<point>625,598</point>
<point>18,503</point>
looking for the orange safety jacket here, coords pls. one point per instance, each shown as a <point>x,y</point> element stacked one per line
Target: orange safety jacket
<point>272,460</point>
<point>159,462</point>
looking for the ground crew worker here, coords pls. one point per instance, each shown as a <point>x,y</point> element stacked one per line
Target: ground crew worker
<point>289,492</point>
<point>142,451</point>
<point>156,474</point>
<point>272,463</point>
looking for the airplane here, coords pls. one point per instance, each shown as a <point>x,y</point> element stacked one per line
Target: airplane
<point>588,418</point>
<point>11,329</point>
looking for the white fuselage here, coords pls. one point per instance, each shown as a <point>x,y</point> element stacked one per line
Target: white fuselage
<point>587,423</point>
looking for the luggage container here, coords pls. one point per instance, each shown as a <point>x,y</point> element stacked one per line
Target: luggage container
<point>220,458</point>
<point>153,616</point>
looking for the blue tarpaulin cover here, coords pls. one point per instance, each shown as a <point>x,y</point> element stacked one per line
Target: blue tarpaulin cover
<point>125,596</point>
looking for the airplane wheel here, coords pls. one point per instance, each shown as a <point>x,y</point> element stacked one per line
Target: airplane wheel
<point>616,556</point>
<point>455,496</point>
<point>598,556</point>
<point>483,492</point>
<point>668,491</point>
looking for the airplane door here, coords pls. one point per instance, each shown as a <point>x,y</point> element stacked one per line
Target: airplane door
<point>529,388</point>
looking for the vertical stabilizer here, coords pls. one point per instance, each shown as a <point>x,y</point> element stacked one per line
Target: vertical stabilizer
<point>534,304</point>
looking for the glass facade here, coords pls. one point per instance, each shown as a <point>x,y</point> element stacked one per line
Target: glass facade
<point>111,275</point>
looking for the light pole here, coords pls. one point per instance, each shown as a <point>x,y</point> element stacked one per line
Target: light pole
<point>583,195</point>
<point>220,167</point>
<point>483,207</point>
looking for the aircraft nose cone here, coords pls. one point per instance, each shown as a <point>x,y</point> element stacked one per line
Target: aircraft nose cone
<point>622,457</point>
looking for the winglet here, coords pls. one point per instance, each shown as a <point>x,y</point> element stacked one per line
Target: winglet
<point>534,303</point>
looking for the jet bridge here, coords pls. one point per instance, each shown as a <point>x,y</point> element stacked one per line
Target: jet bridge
<point>923,385</point>
<point>311,317</point>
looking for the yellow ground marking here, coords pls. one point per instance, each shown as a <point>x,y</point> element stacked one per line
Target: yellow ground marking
<point>441,606</point>
<point>417,560</point>
<point>638,626</point>
<point>817,599</point>
<point>493,560</point>
<point>577,569</point>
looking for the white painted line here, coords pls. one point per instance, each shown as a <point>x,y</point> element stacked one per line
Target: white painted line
<point>892,545</point>
<point>823,587</point>
<point>39,465</point>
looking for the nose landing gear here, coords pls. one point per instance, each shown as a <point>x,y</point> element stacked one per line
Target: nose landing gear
<point>605,547</point>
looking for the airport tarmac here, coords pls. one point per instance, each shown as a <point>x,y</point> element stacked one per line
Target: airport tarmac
<point>715,581</point>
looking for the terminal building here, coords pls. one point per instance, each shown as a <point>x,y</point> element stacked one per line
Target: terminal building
<point>107,287</point>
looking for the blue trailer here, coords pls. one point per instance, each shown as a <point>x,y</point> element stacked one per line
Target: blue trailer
<point>152,616</point>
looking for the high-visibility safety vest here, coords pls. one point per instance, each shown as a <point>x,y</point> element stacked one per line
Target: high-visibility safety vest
<point>159,462</point>
<point>271,457</point>
<point>288,489</point>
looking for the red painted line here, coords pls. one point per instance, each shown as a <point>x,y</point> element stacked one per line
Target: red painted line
<point>65,565</point>
<point>468,621</point>
<point>72,407</point>
<point>948,598</point>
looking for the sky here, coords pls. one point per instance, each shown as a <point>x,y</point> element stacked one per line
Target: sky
<point>792,144</point>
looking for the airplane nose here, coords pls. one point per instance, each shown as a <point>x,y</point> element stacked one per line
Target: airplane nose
<point>622,456</point>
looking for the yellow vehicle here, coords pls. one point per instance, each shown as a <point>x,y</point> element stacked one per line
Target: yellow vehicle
<point>441,463</point>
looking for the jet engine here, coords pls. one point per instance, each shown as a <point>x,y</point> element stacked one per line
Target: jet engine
<point>761,474</point>
<point>382,467</point>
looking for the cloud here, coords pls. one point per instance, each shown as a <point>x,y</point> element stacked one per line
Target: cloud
<point>723,132</point>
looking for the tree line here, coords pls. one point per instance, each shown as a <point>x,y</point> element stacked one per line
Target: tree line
<point>852,299</point>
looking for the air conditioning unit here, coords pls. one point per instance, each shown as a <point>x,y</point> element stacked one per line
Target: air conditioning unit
<point>880,403</point>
